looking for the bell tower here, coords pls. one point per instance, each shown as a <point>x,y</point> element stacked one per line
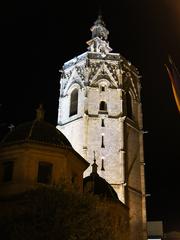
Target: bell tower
<point>100,110</point>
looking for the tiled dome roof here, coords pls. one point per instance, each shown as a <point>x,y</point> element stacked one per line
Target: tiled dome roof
<point>38,131</point>
<point>99,186</point>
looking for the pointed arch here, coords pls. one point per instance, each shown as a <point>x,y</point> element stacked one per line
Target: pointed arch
<point>129,105</point>
<point>103,70</point>
<point>73,102</point>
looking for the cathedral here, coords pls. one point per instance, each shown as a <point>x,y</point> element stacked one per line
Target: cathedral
<point>97,145</point>
<point>100,112</point>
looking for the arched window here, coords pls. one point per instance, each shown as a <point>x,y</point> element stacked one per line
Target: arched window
<point>74,102</point>
<point>103,106</point>
<point>129,105</point>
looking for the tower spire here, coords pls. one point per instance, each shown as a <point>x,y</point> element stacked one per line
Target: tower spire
<point>94,165</point>
<point>99,28</point>
<point>40,113</point>
<point>99,40</point>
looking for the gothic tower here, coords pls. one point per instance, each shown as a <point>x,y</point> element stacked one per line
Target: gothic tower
<point>100,110</point>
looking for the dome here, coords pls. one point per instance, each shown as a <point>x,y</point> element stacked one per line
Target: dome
<point>99,186</point>
<point>38,131</point>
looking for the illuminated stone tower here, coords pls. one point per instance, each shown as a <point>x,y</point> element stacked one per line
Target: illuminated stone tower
<point>100,110</point>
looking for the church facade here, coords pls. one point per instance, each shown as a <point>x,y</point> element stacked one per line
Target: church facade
<point>100,112</point>
<point>34,153</point>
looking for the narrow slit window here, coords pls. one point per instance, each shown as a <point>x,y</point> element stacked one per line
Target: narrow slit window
<point>44,173</point>
<point>102,142</point>
<point>102,88</point>
<point>102,123</point>
<point>8,171</point>
<point>74,102</point>
<point>102,165</point>
<point>73,179</point>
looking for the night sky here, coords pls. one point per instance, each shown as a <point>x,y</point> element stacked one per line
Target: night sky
<point>37,38</point>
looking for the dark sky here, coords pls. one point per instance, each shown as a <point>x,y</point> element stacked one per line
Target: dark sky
<point>38,37</point>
